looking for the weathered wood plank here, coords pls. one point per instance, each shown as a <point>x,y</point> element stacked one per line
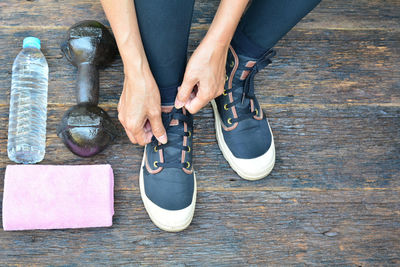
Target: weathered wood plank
<point>329,14</point>
<point>315,149</point>
<point>326,66</point>
<point>333,197</point>
<point>353,228</point>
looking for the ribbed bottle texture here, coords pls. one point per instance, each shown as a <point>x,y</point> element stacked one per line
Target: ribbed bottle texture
<point>28,105</point>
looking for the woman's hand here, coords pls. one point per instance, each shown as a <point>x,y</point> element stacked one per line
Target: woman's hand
<point>206,68</point>
<point>206,72</point>
<point>139,108</point>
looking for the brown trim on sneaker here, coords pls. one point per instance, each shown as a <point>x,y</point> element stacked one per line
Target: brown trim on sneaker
<point>260,112</point>
<point>230,128</point>
<point>149,169</point>
<point>185,129</point>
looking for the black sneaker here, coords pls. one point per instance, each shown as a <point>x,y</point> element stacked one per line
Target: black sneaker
<point>167,179</point>
<point>243,133</point>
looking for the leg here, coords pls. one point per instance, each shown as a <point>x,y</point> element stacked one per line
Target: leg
<point>164,28</point>
<point>243,133</point>
<point>266,22</point>
<point>167,179</point>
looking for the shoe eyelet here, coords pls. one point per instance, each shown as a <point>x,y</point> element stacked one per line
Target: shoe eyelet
<point>155,164</point>
<point>187,164</point>
<point>225,93</point>
<point>256,110</point>
<point>229,120</point>
<point>155,149</point>
<point>226,106</point>
<point>188,149</point>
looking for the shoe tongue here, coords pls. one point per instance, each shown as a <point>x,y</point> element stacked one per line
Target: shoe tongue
<point>244,101</point>
<point>246,72</point>
<point>166,110</point>
<point>173,154</point>
<point>174,122</point>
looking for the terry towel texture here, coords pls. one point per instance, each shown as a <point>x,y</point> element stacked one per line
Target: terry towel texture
<point>55,197</point>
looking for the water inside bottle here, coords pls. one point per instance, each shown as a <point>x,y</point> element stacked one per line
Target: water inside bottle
<point>28,107</point>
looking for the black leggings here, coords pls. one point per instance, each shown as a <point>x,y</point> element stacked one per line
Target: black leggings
<point>165,25</point>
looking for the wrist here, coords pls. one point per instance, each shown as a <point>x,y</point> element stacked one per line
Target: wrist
<point>132,55</point>
<point>139,80</point>
<point>217,40</point>
<point>136,65</point>
<point>225,21</point>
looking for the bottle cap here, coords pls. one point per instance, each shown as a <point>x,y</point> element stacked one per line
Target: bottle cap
<point>32,42</point>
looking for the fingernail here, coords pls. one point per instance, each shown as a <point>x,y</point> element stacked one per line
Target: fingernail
<point>162,139</point>
<point>179,104</point>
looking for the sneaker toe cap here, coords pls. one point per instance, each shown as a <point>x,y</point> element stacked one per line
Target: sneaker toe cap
<point>255,168</point>
<point>170,220</point>
<point>169,198</point>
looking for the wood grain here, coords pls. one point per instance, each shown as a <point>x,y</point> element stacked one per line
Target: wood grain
<point>349,14</point>
<point>326,66</point>
<point>336,150</point>
<point>353,228</point>
<point>333,99</point>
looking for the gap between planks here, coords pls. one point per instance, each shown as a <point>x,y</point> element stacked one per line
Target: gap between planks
<point>206,26</point>
<point>319,106</point>
<point>277,189</point>
<point>289,189</point>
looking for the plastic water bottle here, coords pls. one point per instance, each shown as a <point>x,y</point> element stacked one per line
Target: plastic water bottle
<point>28,104</point>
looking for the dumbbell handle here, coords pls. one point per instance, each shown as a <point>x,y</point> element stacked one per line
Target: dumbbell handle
<point>87,86</point>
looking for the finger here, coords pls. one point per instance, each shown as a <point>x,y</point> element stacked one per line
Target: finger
<point>140,136</point>
<point>193,93</point>
<point>136,130</point>
<point>119,106</point>
<point>194,105</point>
<point>120,98</point>
<point>219,92</point>
<point>148,134</point>
<point>184,91</point>
<point>148,137</point>
<point>130,136</point>
<point>127,131</point>
<point>221,87</point>
<point>147,127</point>
<point>157,127</point>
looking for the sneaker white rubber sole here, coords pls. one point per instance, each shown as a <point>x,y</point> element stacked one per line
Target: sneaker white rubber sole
<point>249,169</point>
<point>167,220</point>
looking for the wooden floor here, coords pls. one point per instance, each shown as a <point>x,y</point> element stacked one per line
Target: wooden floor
<point>333,98</point>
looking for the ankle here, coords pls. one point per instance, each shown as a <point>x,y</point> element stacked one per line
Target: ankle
<point>166,109</point>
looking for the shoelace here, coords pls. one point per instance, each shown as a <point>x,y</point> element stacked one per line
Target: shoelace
<point>175,139</point>
<point>248,89</point>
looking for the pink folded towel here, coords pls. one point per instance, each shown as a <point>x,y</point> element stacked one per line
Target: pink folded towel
<point>54,197</point>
